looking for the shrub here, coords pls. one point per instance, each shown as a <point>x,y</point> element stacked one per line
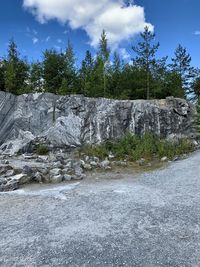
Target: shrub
<point>42,149</point>
<point>133,147</point>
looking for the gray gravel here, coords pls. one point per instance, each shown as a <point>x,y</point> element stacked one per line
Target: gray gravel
<point>148,220</point>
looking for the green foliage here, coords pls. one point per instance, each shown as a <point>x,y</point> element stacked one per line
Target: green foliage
<point>181,64</point>
<point>36,77</point>
<point>42,149</point>
<point>16,71</point>
<point>197,117</point>
<point>86,74</point>
<point>69,79</point>
<point>133,147</point>
<point>196,88</point>
<point>104,74</point>
<point>2,75</point>
<point>146,50</point>
<point>53,70</point>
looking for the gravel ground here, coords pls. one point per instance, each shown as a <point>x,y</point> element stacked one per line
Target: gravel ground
<point>119,219</point>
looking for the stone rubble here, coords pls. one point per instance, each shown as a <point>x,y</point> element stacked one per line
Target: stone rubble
<point>57,167</point>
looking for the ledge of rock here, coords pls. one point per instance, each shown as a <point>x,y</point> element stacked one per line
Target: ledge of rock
<point>72,121</point>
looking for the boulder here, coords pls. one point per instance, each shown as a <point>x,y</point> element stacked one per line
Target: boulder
<point>105,163</point>
<point>21,178</point>
<point>56,179</point>
<point>67,177</point>
<point>55,172</point>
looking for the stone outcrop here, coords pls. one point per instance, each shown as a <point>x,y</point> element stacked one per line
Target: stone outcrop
<point>71,121</point>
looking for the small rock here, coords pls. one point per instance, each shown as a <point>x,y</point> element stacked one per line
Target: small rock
<point>9,186</point>
<point>67,177</point>
<point>111,156</point>
<point>79,177</point>
<point>93,163</point>
<point>21,179</point>
<point>195,143</point>
<point>78,170</point>
<point>39,160</point>
<point>163,159</point>
<point>57,164</point>
<point>57,179</point>
<point>141,162</point>
<point>9,173</point>
<point>55,172</point>
<point>3,181</point>
<point>87,167</point>
<point>108,168</point>
<point>38,177</point>
<point>96,159</point>
<point>86,158</point>
<point>27,170</point>
<point>26,156</point>
<point>43,171</point>
<point>105,163</point>
<point>69,163</point>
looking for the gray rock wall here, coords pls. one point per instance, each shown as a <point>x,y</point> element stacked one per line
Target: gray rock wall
<point>72,121</point>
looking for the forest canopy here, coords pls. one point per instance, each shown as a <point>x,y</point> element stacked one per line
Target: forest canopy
<point>105,74</point>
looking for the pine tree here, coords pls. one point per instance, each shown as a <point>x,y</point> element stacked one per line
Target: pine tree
<point>70,80</point>
<point>36,77</point>
<point>2,75</point>
<point>103,61</point>
<point>114,87</point>
<point>53,70</point>
<point>145,59</point>
<point>181,63</point>
<point>16,71</point>
<point>86,72</point>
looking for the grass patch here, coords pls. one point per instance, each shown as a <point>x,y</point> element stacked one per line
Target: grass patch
<point>132,147</point>
<point>42,149</point>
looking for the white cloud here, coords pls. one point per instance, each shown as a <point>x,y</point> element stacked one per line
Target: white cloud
<point>35,40</point>
<point>59,41</point>
<point>47,39</point>
<point>120,22</point>
<point>124,54</point>
<point>197,32</point>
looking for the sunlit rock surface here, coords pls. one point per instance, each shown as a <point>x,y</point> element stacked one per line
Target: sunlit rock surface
<point>71,121</point>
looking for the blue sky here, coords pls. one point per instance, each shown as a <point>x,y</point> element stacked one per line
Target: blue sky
<point>38,24</point>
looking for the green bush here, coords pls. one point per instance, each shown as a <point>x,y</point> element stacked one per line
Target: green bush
<point>42,149</point>
<point>133,147</point>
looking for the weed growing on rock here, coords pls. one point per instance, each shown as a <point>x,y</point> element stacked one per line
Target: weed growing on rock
<point>42,149</point>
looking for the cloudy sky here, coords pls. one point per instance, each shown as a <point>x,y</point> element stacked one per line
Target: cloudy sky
<point>40,24</point>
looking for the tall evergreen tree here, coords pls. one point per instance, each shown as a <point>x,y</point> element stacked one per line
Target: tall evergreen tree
<point>53,70</point>
<point>181,63</point>
<point>86,74</point>
<point>2,75</point>
<point>16,71</point>
<point>36,77</point>
<point>102,62</point>
<point>69,81</point>
<point>114,87</point>
<point>145,59</point>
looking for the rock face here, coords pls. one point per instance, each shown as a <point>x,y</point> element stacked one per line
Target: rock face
<point>71,121</point>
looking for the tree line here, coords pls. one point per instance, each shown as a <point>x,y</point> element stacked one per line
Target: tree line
<point>105,74</point>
